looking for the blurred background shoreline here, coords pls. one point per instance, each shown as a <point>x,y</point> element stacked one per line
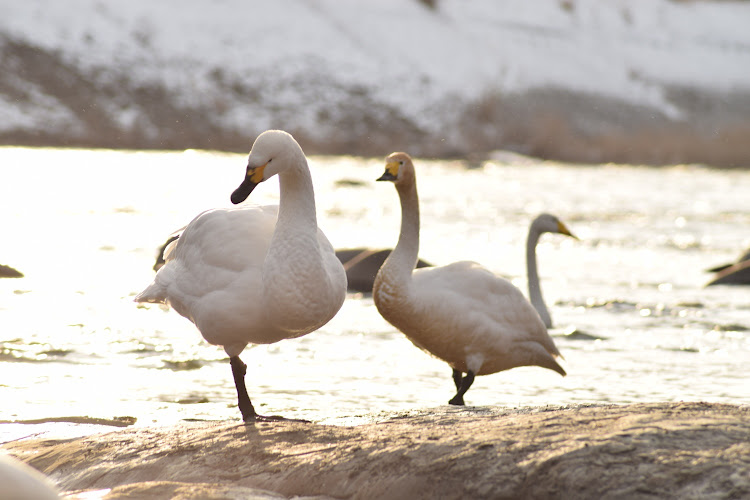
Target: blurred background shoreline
<point>647,82</point>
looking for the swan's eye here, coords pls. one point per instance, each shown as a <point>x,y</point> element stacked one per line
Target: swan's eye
<point>401,163</point>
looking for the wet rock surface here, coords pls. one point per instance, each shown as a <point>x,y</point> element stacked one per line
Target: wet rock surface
<point>664,450</point>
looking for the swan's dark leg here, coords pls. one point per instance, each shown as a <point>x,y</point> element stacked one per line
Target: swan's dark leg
<point>243,400</point>
<point>458,399</point>
<point>457,376</point>
<point>238,371</point>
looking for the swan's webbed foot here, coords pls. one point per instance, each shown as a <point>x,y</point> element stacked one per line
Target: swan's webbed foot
<point>239,369</point>
<point>457,401</point>
<point>462,385</point>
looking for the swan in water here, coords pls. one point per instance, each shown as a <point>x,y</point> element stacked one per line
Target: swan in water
<point>475,321</point>
<point>255,274</point>
<point>544,223</point>
<point>363,264</point>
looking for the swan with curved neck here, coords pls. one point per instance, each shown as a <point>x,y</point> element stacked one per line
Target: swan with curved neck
<point>255,274</point>
<point>475,321</point>
<point>544,223</point>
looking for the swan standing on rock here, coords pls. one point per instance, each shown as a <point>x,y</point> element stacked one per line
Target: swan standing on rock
<point>544,223</point>
<point>255,274</point>
<point>462,313</point>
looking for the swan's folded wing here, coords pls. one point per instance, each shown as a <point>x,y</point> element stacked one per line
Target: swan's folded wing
<point>483,298</point>
<point>216,251</point>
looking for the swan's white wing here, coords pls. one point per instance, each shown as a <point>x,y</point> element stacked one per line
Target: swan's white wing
<point>468,289</point>
<point>469,316</point>
<point>213,272</point>
<point>228,238</point>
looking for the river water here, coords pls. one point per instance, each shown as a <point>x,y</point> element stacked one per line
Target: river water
<point>83,226</point>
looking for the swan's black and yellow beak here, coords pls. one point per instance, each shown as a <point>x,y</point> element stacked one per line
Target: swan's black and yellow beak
<point>563,229</point>
<point>391,172</point>
<point>253,177</point>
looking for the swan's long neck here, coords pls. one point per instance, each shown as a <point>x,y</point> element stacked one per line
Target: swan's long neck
<point>535,290</point>
<point>394,276</point>
<point>297,199</point>
<point>293,270</point>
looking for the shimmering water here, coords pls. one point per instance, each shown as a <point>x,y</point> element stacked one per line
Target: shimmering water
<point>84,227</point>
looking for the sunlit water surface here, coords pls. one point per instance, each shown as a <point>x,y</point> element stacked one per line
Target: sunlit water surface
<point>83,226</point>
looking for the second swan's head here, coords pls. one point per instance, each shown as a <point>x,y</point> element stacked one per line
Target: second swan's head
<point>272,152</point>
<point>548,223</point>
<point>398,168</point>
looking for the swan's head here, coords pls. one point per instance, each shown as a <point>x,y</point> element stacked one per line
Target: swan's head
<point>548,223</point>
<point>272,152</point>
<point>398,168</point>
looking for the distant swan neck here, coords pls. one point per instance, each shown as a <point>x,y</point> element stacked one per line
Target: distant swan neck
<point>535,290</point>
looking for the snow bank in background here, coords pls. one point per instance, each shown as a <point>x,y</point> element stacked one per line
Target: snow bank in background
<point>302,63</point>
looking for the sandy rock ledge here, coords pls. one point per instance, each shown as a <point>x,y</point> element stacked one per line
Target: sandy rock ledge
<point>653,450</point>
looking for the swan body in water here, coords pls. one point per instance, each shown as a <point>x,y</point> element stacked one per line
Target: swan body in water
<point>475,321</point>
<point>363,264</point>
<point>543,223</point>
<point>255,274</point>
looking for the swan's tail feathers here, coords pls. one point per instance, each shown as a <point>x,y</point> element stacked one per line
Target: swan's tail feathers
<point>535,354</point>
<point>551,348</point>
<point>165,251</point>
<point>154,294</point>
<point>553,365</point>
<point>555,352</point>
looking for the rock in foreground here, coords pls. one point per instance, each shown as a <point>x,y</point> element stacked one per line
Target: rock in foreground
<point>664,450</point>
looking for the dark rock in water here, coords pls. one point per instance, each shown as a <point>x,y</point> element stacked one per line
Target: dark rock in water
<point>647,450</point>
<point>350,183</point>
<point>573,333</point>
<point>9,272</point>
<point>735,274</point>
<point>363,264</point>
<point>718,269</point>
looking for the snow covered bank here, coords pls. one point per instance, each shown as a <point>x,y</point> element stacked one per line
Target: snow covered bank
<point>648,80</point>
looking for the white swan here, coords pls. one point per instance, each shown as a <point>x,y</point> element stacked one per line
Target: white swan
<point>473,320</point>
<point>255,274</point>
<point>20,481</point>
<point>544,223</point>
